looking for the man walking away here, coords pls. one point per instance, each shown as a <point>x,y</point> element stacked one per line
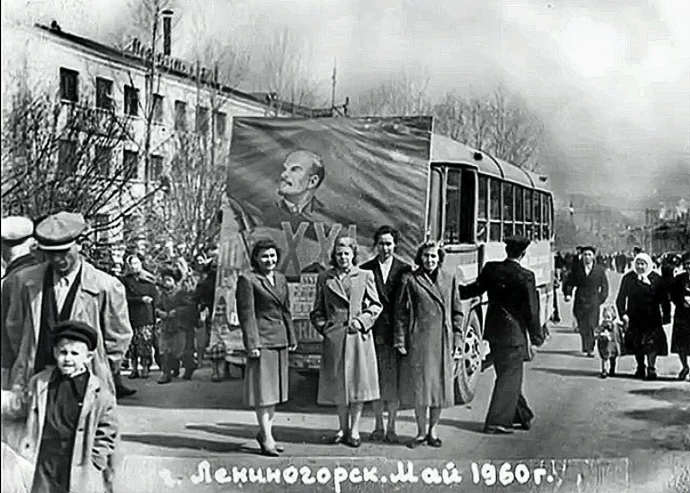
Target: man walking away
<point>511,318</point>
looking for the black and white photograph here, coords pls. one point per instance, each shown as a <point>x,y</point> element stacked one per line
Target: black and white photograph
<point>345,246</point>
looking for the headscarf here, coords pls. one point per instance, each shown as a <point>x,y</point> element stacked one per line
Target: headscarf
<point>644,277</point>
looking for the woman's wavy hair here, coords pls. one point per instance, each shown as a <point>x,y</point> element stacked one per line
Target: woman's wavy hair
<point>426,246</point>
<point>259,246</point>
<point>346,241</point>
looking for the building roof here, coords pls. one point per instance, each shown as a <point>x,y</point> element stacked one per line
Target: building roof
<point>447,150</point>
<point>128,58</point>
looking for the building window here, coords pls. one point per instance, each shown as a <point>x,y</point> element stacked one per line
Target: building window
<point>157,108</point>
<point>131,101</point>
<point>202,120</point>
<point>69,85</point>
<point>130,163</point>
<point>104,93</point>
<point>67,157</point>
<point>220,122</point>
<point>180,116</point>
<point>155,170</point>
<point>102,159</point>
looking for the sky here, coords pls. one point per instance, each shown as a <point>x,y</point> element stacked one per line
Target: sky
<point>610,78</point>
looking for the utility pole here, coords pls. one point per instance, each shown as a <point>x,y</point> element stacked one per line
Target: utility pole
<point>333,78</point>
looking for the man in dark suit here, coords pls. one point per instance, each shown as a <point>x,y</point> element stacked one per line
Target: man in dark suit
<point>512,317</point>
<point>591,290</point>
<point>388,272</point>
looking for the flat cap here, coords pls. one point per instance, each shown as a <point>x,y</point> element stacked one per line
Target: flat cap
<point>59,231</point>
<point>74,330</point>
<point>16,229</point>
<point>517,244</point>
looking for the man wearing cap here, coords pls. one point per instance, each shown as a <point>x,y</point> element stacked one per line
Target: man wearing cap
<point>17,242</point>
<point>65,287</point>
<point>511,318</point>
<point>591,290</point>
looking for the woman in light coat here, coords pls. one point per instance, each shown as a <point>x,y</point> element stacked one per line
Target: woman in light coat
<point>429,320</point>
<point>263,307</point>
<point>345,309</point>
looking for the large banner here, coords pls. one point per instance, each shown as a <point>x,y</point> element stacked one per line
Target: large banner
<point>303,182</point>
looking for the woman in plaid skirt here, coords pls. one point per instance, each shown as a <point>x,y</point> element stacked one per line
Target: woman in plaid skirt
<point>142,296</point>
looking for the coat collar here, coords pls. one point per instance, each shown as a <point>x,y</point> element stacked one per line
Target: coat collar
<point>278,291</point>
<point>336,286</point>
<point>89,281</point>
<point>425,281</point>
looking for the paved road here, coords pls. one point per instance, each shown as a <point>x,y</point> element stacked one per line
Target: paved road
<point>578,416</point>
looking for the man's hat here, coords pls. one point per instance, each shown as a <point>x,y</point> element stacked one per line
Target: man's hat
<point>588,248</point>
<point>517,244</point>
<point>75,330</point>
<point>16,229</point>
<point>59,231</point>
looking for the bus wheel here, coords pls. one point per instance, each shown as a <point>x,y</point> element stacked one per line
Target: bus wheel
<point>469,366</point>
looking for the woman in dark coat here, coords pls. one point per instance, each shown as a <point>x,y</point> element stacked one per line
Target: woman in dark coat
<point>141,301</point>
<point>263,308</point>
<point>680,295</point>
<point>345,309</point>
<point>428,325</point>
<point>641,301</point>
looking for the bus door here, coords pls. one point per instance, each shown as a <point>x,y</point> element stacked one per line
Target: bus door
<point>451,218</point>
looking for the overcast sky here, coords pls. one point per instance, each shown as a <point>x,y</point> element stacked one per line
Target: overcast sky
<point>611,78</point>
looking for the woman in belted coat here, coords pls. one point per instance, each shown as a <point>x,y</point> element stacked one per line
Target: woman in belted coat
<point>680,295</point>
<point>428,325</point>
<point>263,308</point>
<point>345,309</point>
<point>644,305</point>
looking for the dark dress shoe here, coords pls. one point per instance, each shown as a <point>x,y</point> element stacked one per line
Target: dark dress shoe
<point>122,392</point>
<point>377,435</point>
<point>271,452</point>
<point>684,374</point>
<point>641,373</point>
<point>498,430</point>
<point>353,442</point>
<point>434,442</point>
<point>338,438</point>
<point>416,442</point>
<point>603,374</point>
<point>133,375</point>
<point>391,437</point>
<point>651,374</point>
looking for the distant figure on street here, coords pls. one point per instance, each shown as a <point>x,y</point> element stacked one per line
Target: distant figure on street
<point>591,287</point>
<point>345,309</point>
<point>680,295</point>
<point>643,305</point>
<point>388,272</point>
<point>72,441</point>
<point>512,325</point>
<point>428,329</point>
<point>263,307</point>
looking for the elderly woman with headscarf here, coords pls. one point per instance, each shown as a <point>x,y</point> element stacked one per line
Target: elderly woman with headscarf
<point>644,306</point>
<point>141,302</point>
<point>680,295</point>
<point>345,309</point>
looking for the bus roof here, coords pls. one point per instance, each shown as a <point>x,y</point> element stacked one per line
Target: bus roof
<point>447,150</point>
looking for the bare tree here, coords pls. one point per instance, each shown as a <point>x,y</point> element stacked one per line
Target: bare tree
<point>500,124</point>
<point>284,68</point>
<point>401,95</point>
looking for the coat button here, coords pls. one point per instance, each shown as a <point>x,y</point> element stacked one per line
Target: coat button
<point>80,430</point>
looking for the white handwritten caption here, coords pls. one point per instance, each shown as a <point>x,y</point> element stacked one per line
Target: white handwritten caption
<point>487,474</point>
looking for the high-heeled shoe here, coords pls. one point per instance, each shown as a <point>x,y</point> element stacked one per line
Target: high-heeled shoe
<point>263,447</point>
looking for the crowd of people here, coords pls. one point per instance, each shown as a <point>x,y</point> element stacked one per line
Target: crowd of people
<point>649,288</point>
<point>391,332</point>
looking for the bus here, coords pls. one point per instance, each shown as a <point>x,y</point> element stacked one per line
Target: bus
<point>378,171</point>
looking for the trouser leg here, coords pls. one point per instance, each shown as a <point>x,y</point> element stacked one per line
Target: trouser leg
<point>507,387</point>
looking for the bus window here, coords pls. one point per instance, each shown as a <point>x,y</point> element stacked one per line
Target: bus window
<point>546,216</point>
<point>508,210</point>
<point>519,211</point>
<point>495,210</point>
<point>460,193</point>
<point>529,232</point>
<point>482,205</point>
<point>536,215</point>
<point>434,218</point>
